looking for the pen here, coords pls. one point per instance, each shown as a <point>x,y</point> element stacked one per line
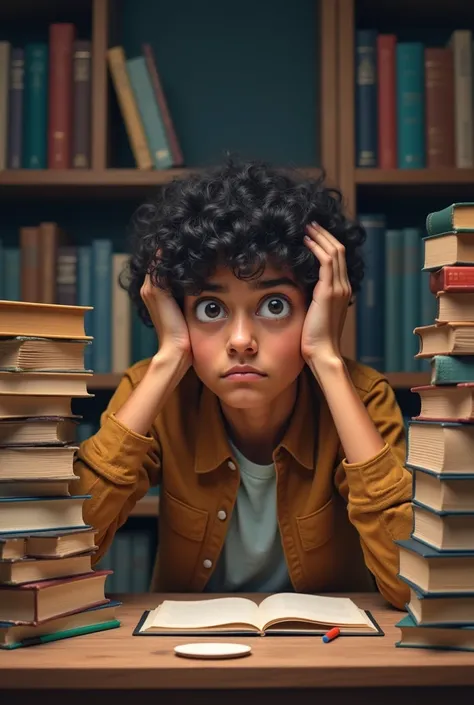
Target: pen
<point>331,634</point>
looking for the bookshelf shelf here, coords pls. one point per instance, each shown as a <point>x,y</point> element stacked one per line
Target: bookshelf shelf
<point>413,177</point>
<point>146,507</point>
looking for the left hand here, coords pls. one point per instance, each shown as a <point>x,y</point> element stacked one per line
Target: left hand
<point>322,329</point>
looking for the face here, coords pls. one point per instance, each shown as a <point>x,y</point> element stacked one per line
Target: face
<point>246,335</point>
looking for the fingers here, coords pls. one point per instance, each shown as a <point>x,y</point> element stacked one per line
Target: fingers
<point>331,254</point>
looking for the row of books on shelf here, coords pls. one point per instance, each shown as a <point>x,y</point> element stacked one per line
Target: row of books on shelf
<point>45,89</point>
<point>46,268</point>
<point>130,558</point>
<point>414,103</point>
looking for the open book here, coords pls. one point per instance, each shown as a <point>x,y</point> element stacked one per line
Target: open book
<point>279,614</point>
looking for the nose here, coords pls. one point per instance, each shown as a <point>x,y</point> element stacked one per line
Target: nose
<point>241,336</point>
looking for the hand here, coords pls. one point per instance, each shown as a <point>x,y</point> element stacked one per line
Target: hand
<point>322,329</point>
<point>168,320</point>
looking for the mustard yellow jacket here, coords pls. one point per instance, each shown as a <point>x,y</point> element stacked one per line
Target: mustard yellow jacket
<point>338,521</point>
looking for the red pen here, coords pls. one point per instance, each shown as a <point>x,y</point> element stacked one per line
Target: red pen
<point>331,634</point>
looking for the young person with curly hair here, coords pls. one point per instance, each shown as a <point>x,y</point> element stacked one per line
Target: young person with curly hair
<point>280,462</point>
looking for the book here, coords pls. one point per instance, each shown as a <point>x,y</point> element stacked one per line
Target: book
<point>441,446</point>
<point>452,531</point>
<point>16,406</point>
<point>414,636</point>
<point>431,571</point>
<point>37,462</point>
<point>93,619</point>
<point>36,488</point>
<point>443,493</point>
<point>441,609</point>
<point>23,353</point>
<point>34,603</point>
<point>455,279</point>
<point>37,430</point>
<point>28,514</point>
<point>447,403</point>
<point>42,320</point>
<point>448,249</point>
<point>448,339</point>
<point>59,544</point>
<point>366,98</point>
<point>72,384</point>
<point>278,614</point>
<point>451,369</point>
<point>12,547</point>
<point>456,218</point>
<point>410,81</point>
<point>31,570</point>
<point>457,307</point>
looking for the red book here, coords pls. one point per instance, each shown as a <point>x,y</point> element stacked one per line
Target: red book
<point>163,106</point>
<point>453,278</point>
<point>61,45</point>
<point>387,101</point>
<point>439,101</point>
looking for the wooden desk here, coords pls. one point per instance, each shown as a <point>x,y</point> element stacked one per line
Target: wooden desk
<point>93,669</point>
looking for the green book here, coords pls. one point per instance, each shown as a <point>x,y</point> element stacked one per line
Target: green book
<point>452,369</point>
<point>64,634</point>
<point>456,218</point>
<point>414,636</point>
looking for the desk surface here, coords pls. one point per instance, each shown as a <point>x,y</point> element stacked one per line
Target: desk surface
<point>116,659</point>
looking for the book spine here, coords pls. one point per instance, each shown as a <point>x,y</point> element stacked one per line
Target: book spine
<point>144,340</point>
<point>461,42</point>
<point>439,91</point>
<point>30,264</point>
<point>84,296</point>
<point>12,273</point>
<point>452,369</point>
<point>387,102</point>
<point>4,90</point>
<point>128,107</point>
<point>15,109</point>
<point>456,279</point>
<point>411,297</point>
<point>48,253</point>
<point>160,97</point>
<point>370,302</point>
<point>36,106</point>
<point>121,318</point>
<point>66,275</point>
<point>410,105</point>
<point>81,128</point>
<point>102,298</point>
<point>61,39</point>
<point>393,297</point>
<point>366,98</point>
<point>440,222</point>
<point>149,113</point>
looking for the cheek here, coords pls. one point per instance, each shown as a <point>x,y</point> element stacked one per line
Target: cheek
<point>204,346</point>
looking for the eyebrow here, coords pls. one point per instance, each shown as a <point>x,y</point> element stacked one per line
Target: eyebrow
<point>256,284</point>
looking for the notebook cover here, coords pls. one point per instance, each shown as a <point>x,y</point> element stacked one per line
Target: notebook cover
<point>243,632</point>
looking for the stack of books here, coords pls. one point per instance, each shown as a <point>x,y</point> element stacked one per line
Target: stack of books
<point>437,561</point>
<point>48,589</point>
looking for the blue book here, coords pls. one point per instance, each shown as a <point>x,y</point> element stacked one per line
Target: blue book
<point>412,264</point>
<point>410,69</point>
<point>150,114</point>
<point>102,298</point>
<point>393,318</point>
<point>370,300</point>
<point>366,98</point>
<point>84,297</point>
<point>35,137</point>
<point>59,513</point>
<point>12,273</point>
<point>430,636</point>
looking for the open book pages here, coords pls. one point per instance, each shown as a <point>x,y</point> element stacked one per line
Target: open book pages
<point>282,611</point>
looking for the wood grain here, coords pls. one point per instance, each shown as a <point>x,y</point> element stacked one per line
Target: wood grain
<point>116,660</point>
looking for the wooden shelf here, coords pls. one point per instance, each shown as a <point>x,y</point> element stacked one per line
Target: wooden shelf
<point>146,507</point>
<point>413,177</point>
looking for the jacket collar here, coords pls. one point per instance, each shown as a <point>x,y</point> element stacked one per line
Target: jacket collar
<point>212,446</point>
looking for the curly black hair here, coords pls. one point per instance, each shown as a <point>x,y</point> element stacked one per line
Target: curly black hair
<point>240,215</point>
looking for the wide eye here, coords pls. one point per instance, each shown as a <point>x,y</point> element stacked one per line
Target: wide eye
<point>208,310</point>
<point>274,307</point>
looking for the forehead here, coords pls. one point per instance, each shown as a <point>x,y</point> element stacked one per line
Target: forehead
<point>223,276</point>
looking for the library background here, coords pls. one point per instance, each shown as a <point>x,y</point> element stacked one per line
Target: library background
<point>104,101</point>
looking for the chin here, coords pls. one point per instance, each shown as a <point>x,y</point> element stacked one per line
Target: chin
<point>245,398</point>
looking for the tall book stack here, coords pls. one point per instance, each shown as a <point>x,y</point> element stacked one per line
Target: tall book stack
<point>48,589</point>
<point>437,562</point>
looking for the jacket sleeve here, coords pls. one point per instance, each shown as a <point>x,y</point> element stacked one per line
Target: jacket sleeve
<point>378,493</point>
<point>116,467</point>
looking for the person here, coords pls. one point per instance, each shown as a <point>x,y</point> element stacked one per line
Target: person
<point>280,461</point>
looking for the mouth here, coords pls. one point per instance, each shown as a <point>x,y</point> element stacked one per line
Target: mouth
<point>244,374</point>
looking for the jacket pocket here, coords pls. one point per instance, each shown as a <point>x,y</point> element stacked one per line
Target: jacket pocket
<point>185,520</point>
<point>317,528</point>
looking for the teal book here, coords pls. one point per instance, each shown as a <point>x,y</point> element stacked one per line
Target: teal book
<point>393,316</point>
<point>144,341</point>
<point>102,301</point>
<point>12,273</point>
<point>414,636</point>
<point>150,114</point>
<point>410,71</point>
<point>366,98</point>
<point>411,294</point>
<point>370,300</point>
<point>452,369</point>
<point>2,272</point>
<point>35,106</point>
<point>84,297</point>
<point>456,218</point>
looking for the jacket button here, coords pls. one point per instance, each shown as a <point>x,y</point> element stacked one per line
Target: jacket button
<point>231,465</point>
<point>222,515</point>
<point>207,563</point>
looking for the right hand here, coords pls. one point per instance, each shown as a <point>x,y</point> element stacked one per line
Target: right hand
<point>168,320</point>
